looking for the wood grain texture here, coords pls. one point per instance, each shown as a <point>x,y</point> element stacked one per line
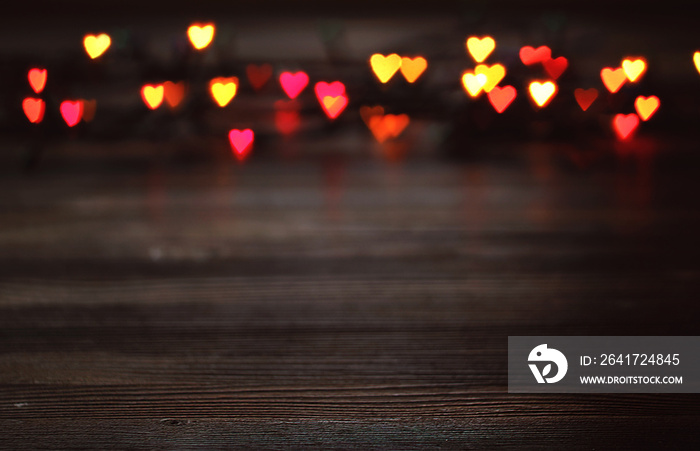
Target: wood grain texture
<point>337,306</point>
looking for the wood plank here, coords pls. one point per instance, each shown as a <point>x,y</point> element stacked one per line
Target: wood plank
<point>258,309</point>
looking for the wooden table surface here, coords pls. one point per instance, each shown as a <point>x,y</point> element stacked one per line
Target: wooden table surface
<point>335,304</point>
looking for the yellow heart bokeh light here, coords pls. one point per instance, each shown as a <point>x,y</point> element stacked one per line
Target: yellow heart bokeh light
<point>223,89</point>
<point>634,69</point>
<point>152,95</point>
<point>474,83</point>
<point>696,60</point>
<point>96,45</point>
<point>384,67</point>
<point>494,75</point>
<point>413,68</point>
<point>646,106</point>
<point>542,93</point>
<point>201,36</point>
<point>480,49</point>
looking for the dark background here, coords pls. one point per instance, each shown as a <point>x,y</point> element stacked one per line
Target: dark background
<point>331,292</point>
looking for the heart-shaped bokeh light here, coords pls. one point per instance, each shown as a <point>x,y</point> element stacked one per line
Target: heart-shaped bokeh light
<point>473,83</point>
<point>367,112</point>
<point>34,109</point>
<point>388,126</point>
<point>494,75</point>
<point>625,125</point>
<point>334,105</point>
<point>96,45</point>
<point>223,89</point>
<point>530,55</point>
<point>37,79</point>
<point>324,89</point>
<point>72,111</point>
<point>241,142</point>
<point>152,95</point>
<point>413,68</point>
<point>696,60</point>
<point>634,68</point>
<point>293,83</point>
<point>384,67</point>
<point>613,79</point>
<point>542,93</point>
<point>201,35</point>
<point>332,97</point>
<point>555,66</point>
<point>174,93</point>
<point>480,49</point>
<point>258,76</point>
<point>501,98</point>
<point>646,106</point>
<point>585,97</point>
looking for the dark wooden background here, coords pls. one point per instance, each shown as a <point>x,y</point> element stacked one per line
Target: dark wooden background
<point>338,301</point>
<point>335,304</point>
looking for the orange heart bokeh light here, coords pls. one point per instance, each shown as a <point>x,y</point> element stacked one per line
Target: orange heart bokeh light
<point>501,98</point>
<point>646,106</point>
<point>34,109</point>
<point>223,89</point>
<point>201,35</point>
<point>37,79</point>
<point>387,126</point>
<point>174,93</point>
<point>613,79</point>
<point>413,68</point>
<point>542,93</point>
<point>367,112</point>
<point>152,95</point>
<point>480,49</point>
<point>334,105</point>
<point>96,45</point>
